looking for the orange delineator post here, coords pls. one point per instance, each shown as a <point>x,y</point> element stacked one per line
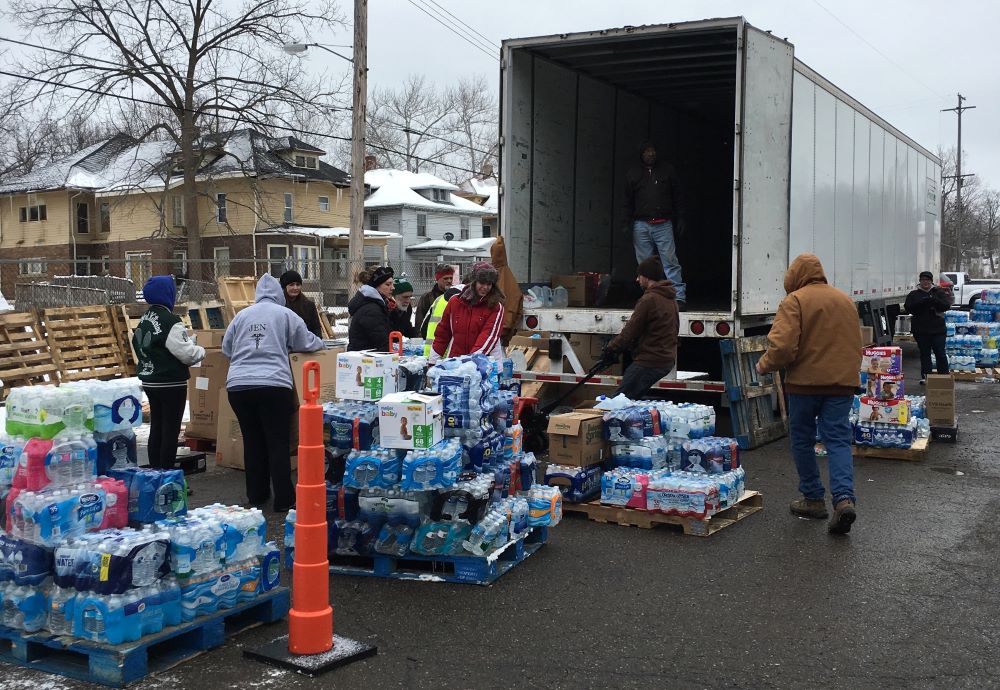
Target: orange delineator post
<point>310,621</point>
<point>396,342</point>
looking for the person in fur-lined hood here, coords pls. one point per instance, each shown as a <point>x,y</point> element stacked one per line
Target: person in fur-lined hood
<point>473,320</point>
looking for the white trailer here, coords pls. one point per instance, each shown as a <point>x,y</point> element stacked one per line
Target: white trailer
<point>773,159</point>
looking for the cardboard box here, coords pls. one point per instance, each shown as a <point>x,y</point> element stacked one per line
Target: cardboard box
<point>577,438</point>
<point>882,360</point>
<point>885,411</point>
<point>867,336</point>
<point>577,287</point>
<point>229,438</point>
<point>203,395</point>
<point>945,434</point>
<point>327,360</point>
<point>410,420</point>
<point>366,376</point>
<point>940,400</point>
<point>209,339</point>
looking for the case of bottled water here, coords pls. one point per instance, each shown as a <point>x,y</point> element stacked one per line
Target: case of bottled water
<point>434,468</point>
<point>469,386</point>
<point>350,425</point>
<point>577,484</point>
<point>153,494</point>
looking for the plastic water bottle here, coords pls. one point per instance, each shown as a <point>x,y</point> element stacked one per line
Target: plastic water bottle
<point>60,611</point>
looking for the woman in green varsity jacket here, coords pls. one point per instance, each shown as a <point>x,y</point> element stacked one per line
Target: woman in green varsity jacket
<point>165,352</point>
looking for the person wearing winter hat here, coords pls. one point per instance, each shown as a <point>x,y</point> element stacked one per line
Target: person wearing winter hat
<point>291,283</point>
<point>650,333</point>
<point>473,320</point>
<point>444,277</point>
<point>401,315</point>
<point>369,311</point>
<point>164,352</point>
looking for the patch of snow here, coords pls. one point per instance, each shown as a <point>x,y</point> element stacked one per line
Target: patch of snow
<point>479,244</point>
<point>398,188</point>
<point>331,232</point>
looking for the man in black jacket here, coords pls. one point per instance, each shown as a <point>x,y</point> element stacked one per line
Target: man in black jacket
<point>927,305</point>
<point>653,211</point>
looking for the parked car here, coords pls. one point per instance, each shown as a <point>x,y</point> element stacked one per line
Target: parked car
<point>966,291</point>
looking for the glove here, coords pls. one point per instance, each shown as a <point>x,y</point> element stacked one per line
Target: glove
<point>609,357</point>
<point>680,227</point>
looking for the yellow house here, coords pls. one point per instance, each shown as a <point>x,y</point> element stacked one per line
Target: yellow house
<point>265,203</point>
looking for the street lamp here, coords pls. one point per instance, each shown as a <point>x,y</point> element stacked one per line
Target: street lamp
<point>359,107</point>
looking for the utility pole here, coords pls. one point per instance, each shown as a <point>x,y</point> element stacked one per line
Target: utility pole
<point>959,179</point>
<point>359,115</point>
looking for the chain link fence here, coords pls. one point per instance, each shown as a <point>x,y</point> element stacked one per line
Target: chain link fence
<point>330,282</point>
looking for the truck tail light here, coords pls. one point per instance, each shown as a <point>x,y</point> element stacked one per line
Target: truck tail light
<point>697,327</point>
<point>723,328</point>
<point>531,322</point>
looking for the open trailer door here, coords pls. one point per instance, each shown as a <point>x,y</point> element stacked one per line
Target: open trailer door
<point>763,165</point>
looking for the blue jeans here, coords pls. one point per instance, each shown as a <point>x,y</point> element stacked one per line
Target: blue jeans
<point>834,430</point>
<point>648,238</point>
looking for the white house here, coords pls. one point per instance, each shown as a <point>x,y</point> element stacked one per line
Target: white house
<point>435,224</point>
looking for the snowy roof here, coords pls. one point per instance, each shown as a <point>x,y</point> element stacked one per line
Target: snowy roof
<point>329,232</point>
<point>492,202</point>
<point>398,188</point>
<point>121,164</point>
<point>480,186</point>
<point>478,244</point>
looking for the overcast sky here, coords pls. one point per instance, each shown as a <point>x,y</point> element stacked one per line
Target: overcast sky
<point>920,55</point>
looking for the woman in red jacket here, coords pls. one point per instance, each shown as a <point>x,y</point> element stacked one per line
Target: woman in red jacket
<point>473,320</point>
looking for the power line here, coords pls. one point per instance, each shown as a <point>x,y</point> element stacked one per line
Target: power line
<point>875,48</point>
<point>489,42</point>
<point>452,29</point>
<point>334,107</point>
<point>286,128</point>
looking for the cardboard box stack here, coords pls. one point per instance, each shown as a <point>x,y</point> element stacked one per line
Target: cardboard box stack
<point>941,407</point>
<point>884,399</point>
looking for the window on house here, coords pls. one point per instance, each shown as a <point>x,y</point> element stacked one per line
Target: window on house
<point>138,267</point>
<point>105,263</point>
<point>464,227</point>
<point>180,267</point>
<point>277,259</point>
<point>221,261</point>
<point>307,261</point>
<point>440,195</point>
<point>83,219</point>
<point>32,267</point>
<point>487,232</point>
<point>310,162</point>
<point>177,210</point>
<point>288,207</point>
<point>221,209</point>
<point>373,222</point>
<point>324,203</point>
<point>421,225</point>
<point>105,216</point>
<point>33,214</point>
<point>82,266</point>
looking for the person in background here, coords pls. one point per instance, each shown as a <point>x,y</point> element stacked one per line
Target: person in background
<point>444,276</point>
<point>513,303</point>
<point>164,352</point>
<point>369,311</point>
<point>291,283</point>
<point>433,317</point>
<point>653,209</point>
<point>816,338</point>
<point>472,321</point>
<point>401,313</point>
<point>259,385</point>
<point>650,333</point>
<point>927,305</point>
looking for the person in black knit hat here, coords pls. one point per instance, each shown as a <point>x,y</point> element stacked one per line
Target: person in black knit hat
<point>650,333</point>
<point>369,311</point>
<point>291,283</point>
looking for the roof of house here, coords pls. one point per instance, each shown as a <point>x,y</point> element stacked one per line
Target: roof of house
<point>392,188</point>
<point>479,186</point>
<point>478,244</point>
<point>326,232</point>
<point>120,164</point>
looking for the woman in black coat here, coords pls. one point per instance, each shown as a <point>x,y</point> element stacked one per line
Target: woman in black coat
<point>369,310</point>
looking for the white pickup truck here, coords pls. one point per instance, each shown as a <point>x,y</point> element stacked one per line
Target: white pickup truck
<point>965,290</point>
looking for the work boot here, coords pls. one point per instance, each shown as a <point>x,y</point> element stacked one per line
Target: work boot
<point>843,517</point>
<point>807,507</point>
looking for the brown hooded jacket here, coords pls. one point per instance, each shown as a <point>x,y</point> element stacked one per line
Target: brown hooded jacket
<point>513,298</point>
<point>816,335</point>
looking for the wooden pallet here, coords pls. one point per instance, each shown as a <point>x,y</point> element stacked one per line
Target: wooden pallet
<point>117,665</point>
<point>750,503</point>
<point>750,402</point>
<point>200,445</point>
<point>206,316</point>
<point>83,343</point>
<point>237,293</point>
<point>980,372</point>
<point>915,453</point>
<point>25,356</point>
<point>467,569</point>
<point>123,333</point>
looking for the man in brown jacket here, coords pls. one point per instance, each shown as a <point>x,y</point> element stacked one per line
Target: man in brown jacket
<point>650,333</point>
<point>816,338</point>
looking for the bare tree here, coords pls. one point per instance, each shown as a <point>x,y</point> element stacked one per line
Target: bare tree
<point>202,61</point>
<point>411,122</point>
<point>954,217</point>
<point>473,122</point>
